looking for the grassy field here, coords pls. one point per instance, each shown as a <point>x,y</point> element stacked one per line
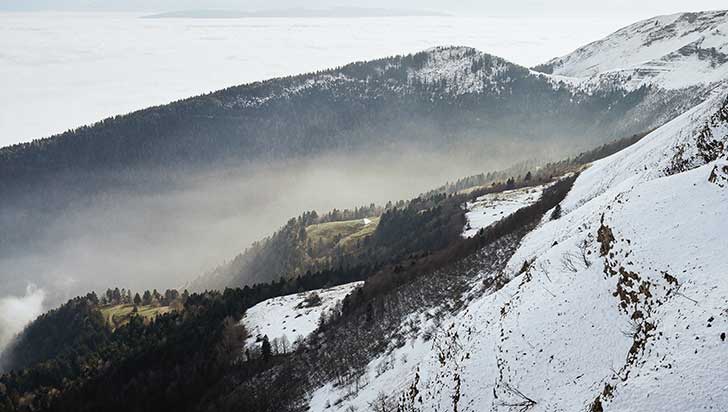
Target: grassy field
<point>344,234</point>
<point>366,230</point>
<point>119,315</point>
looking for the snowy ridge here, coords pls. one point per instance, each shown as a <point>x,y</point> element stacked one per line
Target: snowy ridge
<point>324,81</point>
<point>292,316</point>
<point>621,305</point>
<point>465,70</point>
<point>671,52</point>
<point>459,70</point>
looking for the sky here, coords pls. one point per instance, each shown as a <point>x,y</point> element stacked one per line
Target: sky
<point>644,8</point>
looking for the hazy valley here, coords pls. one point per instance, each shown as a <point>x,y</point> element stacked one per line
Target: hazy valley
<point>289,244</point>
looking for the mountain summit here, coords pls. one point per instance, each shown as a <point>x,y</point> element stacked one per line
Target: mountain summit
<point>671,52</point>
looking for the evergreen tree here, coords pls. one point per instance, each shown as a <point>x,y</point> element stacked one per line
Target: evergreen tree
<point>265,348</point>
<point>91,297</point>
<point>170,295</point>
<point>116,296</point>
<point>147,298</point>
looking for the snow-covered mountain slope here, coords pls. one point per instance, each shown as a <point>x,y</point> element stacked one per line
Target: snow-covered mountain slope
<point>493,207</point>
<point>292,316</point>
<point>672,52</point>
<point>465,70</point>
<point>456,70</point>
<point>619,305</point>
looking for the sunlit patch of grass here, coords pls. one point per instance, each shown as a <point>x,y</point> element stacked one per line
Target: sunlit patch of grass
<point>119,315</point>
<point>344,234</point>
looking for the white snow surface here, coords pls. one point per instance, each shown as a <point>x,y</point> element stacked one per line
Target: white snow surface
<point>288,315</point>
<point>671,52</point>
<point>632,323</point>
<point>493,207</point>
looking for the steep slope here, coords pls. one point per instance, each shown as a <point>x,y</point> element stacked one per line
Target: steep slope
<point>672,52</point>
<point>292,317</point>
<point>620,304</point>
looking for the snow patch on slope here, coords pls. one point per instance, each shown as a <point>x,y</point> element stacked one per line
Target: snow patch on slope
<point>390,372</point>
<point>290,315</point>
<point>464,70</point>
<point>493,207</point>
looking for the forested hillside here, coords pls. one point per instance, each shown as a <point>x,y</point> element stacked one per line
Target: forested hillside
<point>177,359</point>
<point>429,222</point>
<point>439,97</point>
<point>86,201</point>
<point>98,188</point>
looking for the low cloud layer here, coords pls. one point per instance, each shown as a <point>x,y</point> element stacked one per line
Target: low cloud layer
<point>165,237</point>
<point>18,311</point>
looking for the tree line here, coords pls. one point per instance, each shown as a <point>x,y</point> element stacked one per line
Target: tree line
<point>125,296</point>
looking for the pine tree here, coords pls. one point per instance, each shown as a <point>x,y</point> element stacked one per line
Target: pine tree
<point>265,348</point>
<point>147,298</point>
<point>91,297</point>
<point>116,296</point>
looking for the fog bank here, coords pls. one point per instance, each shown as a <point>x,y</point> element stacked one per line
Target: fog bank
<point>168,234</point>
<point>18,311</point>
